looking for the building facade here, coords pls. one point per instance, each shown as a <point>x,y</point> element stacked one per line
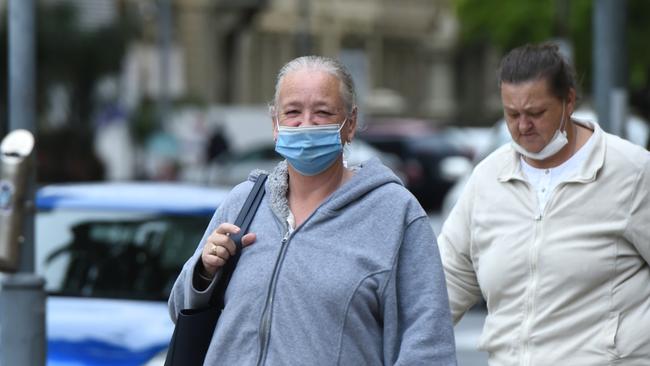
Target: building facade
<point>404,54</point>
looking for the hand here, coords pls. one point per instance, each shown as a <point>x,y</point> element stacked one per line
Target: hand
<point>219,247</point>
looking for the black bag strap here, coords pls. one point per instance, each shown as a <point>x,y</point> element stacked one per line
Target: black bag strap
<point>248,211</point>
<point>243,221</point>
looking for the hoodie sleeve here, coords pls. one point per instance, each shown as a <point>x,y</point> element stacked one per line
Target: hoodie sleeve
<point>417,322</point>
<point>184,294</point>
<point>455,242</point>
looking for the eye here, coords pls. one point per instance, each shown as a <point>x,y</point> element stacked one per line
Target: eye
<point>536,114</point>
<point>291,112</point>
<point>513,115</point>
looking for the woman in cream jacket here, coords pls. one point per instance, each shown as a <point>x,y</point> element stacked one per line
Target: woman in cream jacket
<point>553,230</point>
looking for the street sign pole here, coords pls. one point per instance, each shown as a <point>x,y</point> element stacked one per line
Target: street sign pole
<point>22,296</point>
<point>610,60</point>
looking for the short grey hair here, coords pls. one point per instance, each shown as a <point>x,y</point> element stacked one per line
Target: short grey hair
<point>320,63</point>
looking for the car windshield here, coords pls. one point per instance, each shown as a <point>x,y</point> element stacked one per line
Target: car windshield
<point>124,255</point>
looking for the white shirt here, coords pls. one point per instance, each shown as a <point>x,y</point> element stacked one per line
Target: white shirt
<point>544,181</point>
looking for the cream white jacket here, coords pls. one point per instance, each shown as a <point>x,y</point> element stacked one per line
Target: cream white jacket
<point>570,286</point>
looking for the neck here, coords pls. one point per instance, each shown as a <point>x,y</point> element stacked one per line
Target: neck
<point>563,155</point>
<point>307,193</point>
<point>322,184</point>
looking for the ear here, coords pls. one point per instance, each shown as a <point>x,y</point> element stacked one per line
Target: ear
<point>274,125</point>
<point>571,102</point>
<point>347,133</point>
<point>275,129</point>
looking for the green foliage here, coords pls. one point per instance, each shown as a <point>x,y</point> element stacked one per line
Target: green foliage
<point>580,24</point>
<point>68,54</point>
<point>505,23</point>
<point>638,30</point>
<point>510,23</point>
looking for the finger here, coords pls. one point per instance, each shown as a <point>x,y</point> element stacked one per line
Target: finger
<point>230,246</point>
<point>227,229</point>
<point>217,239</point>
<point>221,252</point>
<point>248,239</point>
<point>213,262</point>
<point>224,249</point>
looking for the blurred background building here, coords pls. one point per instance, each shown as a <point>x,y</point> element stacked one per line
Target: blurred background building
<point>140,89</point>
<point>177,90</point>
<point>402,53</point>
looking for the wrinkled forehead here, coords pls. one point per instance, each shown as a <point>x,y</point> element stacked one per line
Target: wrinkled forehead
<point>526,94</point>
<point>310,85</point>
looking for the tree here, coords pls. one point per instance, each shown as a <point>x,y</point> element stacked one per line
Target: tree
<point>77,57</point>
<point>509,23</point>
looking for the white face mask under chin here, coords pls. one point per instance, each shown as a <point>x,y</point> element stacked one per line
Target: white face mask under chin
<point>556,144</point>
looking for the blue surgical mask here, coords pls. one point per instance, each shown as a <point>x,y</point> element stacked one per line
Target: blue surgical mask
<point>310,149</point>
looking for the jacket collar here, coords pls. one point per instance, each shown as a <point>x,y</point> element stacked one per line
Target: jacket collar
<point>511,169</point>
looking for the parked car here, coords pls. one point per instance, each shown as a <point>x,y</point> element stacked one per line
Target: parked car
<point>424,151</point>
<point>110,253</point>
<point>235,169</point>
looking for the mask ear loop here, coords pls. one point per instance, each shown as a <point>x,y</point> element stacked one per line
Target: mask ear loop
<point>276,118</point>
<point>345,144</point>
<point>343,124</point>
<point>562,121</point>
<point>277,129</point>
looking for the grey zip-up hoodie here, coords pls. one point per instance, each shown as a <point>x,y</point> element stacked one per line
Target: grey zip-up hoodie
<point>360,282</point>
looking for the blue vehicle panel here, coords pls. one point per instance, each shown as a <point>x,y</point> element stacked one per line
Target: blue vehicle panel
<point>110,253</point>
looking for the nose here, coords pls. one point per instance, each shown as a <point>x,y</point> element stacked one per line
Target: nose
<point>306,118</point>
<point>523,124</point>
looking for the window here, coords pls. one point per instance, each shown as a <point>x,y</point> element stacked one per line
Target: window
<point>114,255</point>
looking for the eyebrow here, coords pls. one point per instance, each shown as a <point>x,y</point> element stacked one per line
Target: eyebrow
<point>317,104</point>
<point>535,108</point>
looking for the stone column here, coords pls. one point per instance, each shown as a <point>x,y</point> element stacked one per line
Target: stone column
<point>439,101</point>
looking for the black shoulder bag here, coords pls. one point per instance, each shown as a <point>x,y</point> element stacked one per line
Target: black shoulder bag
<point>194,327</point>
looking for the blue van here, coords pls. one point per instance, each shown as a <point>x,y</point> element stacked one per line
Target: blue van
<point>110,253</point>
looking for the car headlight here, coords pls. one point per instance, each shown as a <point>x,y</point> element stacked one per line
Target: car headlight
<point>158,359</point>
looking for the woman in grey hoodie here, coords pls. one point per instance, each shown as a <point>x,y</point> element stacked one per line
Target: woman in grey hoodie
<point>340,265</point>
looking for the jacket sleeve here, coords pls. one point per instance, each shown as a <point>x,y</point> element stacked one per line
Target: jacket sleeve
<point>637,231</point>
<point>455,244</point>
<point>417,321</point>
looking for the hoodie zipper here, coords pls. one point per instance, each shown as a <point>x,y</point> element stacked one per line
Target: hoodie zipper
<point>265,324</point>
